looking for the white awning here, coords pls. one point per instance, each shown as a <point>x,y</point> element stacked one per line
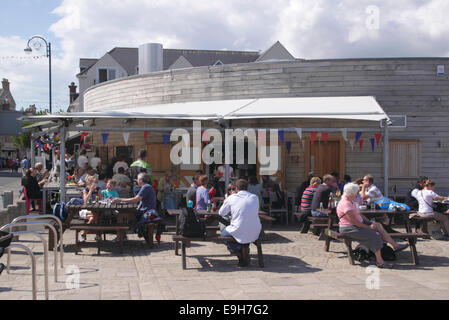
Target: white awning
<point>351,108</point>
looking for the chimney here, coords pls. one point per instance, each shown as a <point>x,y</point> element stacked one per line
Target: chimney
<point>5,84</point>
<point>150,58</point>
<point>72,90</point>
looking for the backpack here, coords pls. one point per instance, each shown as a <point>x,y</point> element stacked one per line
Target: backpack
<point>362,253</point>
<point>190,225</point>
<point>60,211</point>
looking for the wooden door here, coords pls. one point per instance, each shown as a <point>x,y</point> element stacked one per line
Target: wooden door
<point>322,158</point>
<point>158,157</point>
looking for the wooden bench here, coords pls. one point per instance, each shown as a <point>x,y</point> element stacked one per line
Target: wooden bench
<point>332,234</point>
<point>119,229</point>
<point>185,242</point>
<point>421,223</point>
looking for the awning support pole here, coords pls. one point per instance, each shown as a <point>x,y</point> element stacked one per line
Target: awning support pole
<point>62,163</point>
<point>386,158</point>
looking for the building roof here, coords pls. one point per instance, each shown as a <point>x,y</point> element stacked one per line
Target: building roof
<point>128,58</point>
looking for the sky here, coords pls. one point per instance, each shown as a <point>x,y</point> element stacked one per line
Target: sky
<point>309,29</point>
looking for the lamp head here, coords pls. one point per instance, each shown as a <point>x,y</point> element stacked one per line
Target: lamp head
<point>28,50</point>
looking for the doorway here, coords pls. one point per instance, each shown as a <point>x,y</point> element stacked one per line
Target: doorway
<point>322,158</point>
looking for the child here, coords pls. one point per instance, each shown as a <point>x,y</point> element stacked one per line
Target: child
<point>90,192</point>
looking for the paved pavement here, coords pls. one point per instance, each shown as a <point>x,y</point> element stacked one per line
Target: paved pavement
<point>296,267</point>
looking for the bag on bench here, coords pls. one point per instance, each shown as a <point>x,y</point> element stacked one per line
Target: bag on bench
<point>190,225</point>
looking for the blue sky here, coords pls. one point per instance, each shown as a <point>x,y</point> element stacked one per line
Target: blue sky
<point>309,29</point>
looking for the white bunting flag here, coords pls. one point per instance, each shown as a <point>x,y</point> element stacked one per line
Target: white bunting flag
<point>352,142</point>
<point>299,132</point>
<point>126,137</point>
<point>344,133</point>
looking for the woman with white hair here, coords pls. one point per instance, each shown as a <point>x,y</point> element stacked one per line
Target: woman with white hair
<point>355,226</point>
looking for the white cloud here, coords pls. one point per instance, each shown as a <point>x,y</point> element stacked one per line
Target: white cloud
<point>311,29</point>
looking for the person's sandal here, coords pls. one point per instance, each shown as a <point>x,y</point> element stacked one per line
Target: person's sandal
<point>385,265</point>
<point>401,247</point>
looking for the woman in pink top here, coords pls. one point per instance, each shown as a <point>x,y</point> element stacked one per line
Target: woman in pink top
<point>368,233</point>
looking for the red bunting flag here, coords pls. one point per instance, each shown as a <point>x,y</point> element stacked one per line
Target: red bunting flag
<point>361,144</point>
<point>83,135</point>
<point>377,136</point>
<point>313,137</point>
<point>145,134</point>
<point>324,136</point>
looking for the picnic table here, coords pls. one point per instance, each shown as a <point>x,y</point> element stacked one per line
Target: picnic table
<point>126,213</point>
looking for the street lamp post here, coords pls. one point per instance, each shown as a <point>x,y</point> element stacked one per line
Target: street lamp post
<point>37,46</point>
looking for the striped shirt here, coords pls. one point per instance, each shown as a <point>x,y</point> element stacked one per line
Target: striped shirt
<point>306,200</point>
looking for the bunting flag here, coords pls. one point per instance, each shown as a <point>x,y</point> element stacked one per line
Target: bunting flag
<point>126,137</point>
<point>281,135</point>
<point>372,144</point>
<point>352,142</point>
<point>357,136</point>
<point>377,136</point>
<point>105,137</point>
<point>344,133</point>
<point>166,139</point>
<point>299,133</point>
<point>145,134</point>
<point>361,144</point>
<point>324,136</point>
<point>313,137</point>
<point>288,144</point>
<point>83,135</point>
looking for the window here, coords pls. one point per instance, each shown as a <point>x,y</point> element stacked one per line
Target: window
<point>106,74</point>
<point>404,159</point>
<point>396,122</point>
<point>218,63</point>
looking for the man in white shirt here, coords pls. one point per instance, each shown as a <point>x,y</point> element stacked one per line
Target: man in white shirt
<point>245,223</point>
<point>82,159</point>
<point>370,193</point>
<point>120,163</point>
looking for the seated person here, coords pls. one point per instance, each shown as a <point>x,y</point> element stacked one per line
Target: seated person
<point>245,223</point>
<point>321,195</point>
<point>191,192</point>
<point>32,187</point>
<point>123,181</point>
<point>300,189</point>
<point>202,194</point>
<point>102,181</point>
<point>368,233</point>
<point>77,175</point>
<point>425,198</point>
<point>89,172</point>
<point>370,193</point>
<point>165,194</point>
<point>90,192</point>
<point>110,192</point>
<point>307,196</point>
<point>411,201</point>
<point>146,199</point>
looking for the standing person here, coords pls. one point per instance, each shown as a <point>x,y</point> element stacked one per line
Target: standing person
<point>70,163</point>
<point>322,193</point>
<point>95,162</point>
<point>140,165</point>
<point>220,176</point>
<point>245,223</point>
<point>425,198</point>
<point>26,164</point>
<point>191,192</point>
<point>411,201</point>
<point>30,183</point>
<point>123,181</point>
<point>202,193</point>
<point>353,225</point>
<point>165,194</point>
<point>40,174</point>
<point>82,160</point>
<point>121,163</point>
